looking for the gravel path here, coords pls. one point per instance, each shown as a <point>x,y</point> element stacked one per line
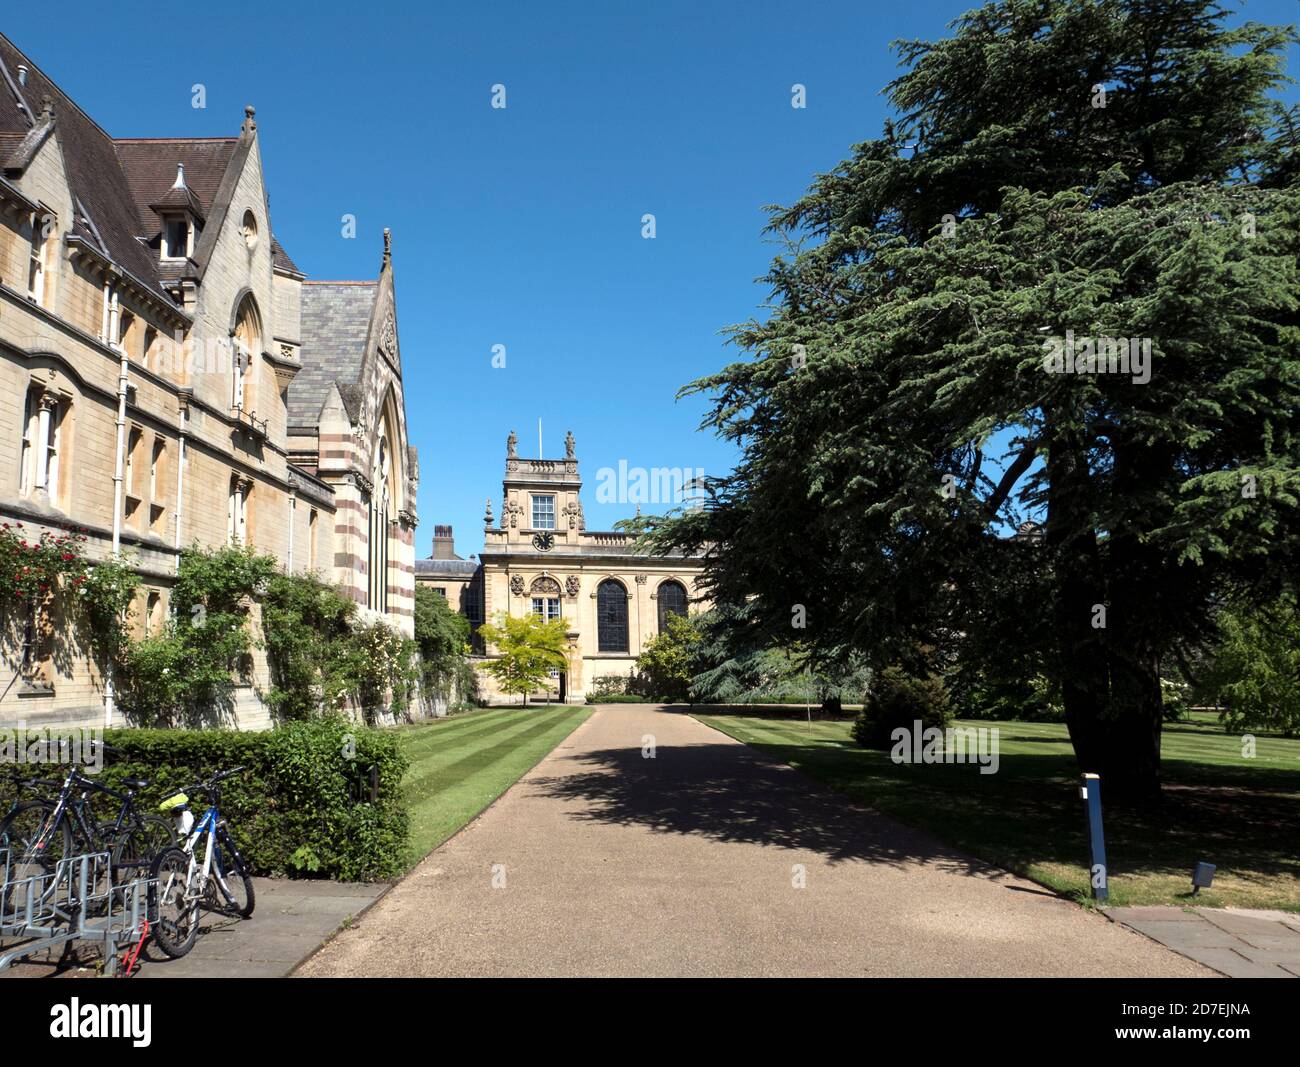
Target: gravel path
<point>602,862</point>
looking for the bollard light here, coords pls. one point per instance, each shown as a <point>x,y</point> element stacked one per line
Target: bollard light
<point>1098,875</point>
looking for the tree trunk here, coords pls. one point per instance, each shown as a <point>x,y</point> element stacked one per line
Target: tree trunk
<point>1106,653</point>
<point>832,707</point>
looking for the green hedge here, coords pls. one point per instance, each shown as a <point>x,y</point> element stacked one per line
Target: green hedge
<point>304,804</point>
<point>619,698</point>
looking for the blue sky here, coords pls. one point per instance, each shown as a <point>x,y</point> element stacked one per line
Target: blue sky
<point>522,227</point>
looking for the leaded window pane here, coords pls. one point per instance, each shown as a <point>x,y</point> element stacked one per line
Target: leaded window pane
<point>672,601</point>
<point>611,616</point>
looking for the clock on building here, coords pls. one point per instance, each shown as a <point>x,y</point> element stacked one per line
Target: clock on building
<point>543,542</point>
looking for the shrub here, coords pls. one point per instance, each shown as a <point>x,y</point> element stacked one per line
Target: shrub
<point>897,699</point>
<point>186,675</point>
<point>609,685</point>
<point>618,698</point>
<point>305,626</point>
<point>667,665</point>
<point>1027,699</point>
<point>319,798</point>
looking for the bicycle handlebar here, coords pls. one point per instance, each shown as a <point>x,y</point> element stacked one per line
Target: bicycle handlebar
<point>207,784</point>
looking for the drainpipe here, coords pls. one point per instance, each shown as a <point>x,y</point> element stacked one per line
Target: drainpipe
<point>183,430</point>
<point>104,335</point>
<point>293,513</point>
<point>111,313</point>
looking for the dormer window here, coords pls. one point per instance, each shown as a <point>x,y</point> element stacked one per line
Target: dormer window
<point>176,237</point>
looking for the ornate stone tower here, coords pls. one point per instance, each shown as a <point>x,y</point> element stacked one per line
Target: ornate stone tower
<point>542,503</point>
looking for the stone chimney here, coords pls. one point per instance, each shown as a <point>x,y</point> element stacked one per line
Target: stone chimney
<point>444,545</point>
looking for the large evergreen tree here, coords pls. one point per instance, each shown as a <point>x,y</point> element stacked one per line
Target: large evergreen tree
<point>897,419</point>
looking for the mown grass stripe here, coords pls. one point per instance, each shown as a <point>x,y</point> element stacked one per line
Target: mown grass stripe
<point>427,737</point>
<point>448,772</point>
<point>451,784</point>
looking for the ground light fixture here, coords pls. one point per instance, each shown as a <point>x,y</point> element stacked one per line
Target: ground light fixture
<point>1098,876</point>
<point>1202,876</point>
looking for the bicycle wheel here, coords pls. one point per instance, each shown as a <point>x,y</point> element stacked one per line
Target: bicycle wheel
<point>35,847</point>
<point>174,903</point>
<point>136,847</point>
<point>234,886</point>
<point>32,841</point>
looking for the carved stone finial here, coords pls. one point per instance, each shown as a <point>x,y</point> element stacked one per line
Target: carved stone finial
<point>47,106</point>
<point>487,515</point>
<point>388,246</point>
<point>249,123</point>
<point>568,446</point>
<point>511,446</point>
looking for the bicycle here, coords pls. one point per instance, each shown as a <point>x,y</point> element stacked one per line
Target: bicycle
<point>41,832</point>
<point>182,883</point>
<point>21,786</point>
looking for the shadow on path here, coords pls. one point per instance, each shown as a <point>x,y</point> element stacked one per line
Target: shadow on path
<point>728,792</point>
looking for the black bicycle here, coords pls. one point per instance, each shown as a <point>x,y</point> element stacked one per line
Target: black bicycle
<point>24,789</point>
<point>42,832</point>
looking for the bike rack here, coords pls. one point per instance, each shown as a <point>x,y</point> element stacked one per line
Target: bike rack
<point>47,910</point>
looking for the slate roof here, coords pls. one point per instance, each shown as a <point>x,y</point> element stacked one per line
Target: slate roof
<point>150,167</point>
<point>447,568</point>
<point>335,325</point>
<point>116,182</point>
<point>8,143</point>
<point>94,173</point>
<point>280,258</point>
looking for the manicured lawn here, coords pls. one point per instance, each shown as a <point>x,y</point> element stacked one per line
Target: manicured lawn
<point>461,764</point>
<point>1241,814</point>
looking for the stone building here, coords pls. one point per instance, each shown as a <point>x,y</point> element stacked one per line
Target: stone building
<point>169,377</point>
<point>459,581</point>
<point>541,558</point>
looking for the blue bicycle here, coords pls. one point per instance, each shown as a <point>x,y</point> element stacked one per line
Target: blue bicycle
<point>185,883</point>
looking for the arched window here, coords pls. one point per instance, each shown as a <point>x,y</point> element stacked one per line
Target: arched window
<point>611,616</point>
<point>545,595</point>
<point>672,601</point>
<point>246,343</point>
<point>381,519</point>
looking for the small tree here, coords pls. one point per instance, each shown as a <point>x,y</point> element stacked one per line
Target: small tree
<point>1253,671</point>
<point>898,701</point>
<point>443,637</point>
<point>528,649</point>
<point>668,662</point>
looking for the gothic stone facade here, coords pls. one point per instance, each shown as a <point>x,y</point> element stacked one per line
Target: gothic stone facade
<point>168,377</point>
<point>541,558</point>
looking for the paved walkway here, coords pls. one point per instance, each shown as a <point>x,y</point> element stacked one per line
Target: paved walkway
<point>601,862</point>
<point>1238,942</point>
<point>290,921</point>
